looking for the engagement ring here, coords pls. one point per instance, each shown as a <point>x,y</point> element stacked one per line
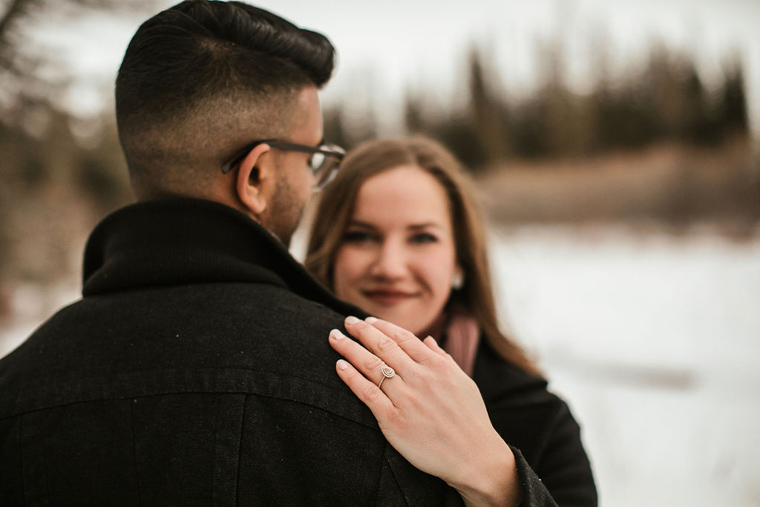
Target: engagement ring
<point>387,372</point>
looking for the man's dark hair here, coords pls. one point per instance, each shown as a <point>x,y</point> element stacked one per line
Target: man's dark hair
<point>200,78</point>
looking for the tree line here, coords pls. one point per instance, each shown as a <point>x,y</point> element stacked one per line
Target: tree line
<point>665,101</point>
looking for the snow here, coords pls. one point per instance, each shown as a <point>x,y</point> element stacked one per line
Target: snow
<point>652,339</point>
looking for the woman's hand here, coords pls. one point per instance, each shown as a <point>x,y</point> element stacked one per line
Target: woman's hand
<point>430,411</point>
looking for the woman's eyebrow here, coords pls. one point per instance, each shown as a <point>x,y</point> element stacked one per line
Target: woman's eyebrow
<point>426,225</point>
<point>415,227</point>
<point>359,223</point>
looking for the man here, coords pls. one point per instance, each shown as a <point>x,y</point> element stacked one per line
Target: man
<point>196,369</point>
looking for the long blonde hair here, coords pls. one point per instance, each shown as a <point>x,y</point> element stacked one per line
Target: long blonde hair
<point>336,207</point>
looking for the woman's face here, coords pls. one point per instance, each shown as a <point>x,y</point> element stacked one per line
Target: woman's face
<point>397,257</point>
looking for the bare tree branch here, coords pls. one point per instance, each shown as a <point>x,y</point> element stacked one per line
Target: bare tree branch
<point>21,62</point>
<point>15,10</point>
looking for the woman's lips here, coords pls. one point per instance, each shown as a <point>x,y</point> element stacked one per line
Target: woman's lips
<point>387,297</point>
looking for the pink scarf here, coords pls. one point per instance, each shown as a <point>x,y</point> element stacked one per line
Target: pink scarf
<point>461,342</point>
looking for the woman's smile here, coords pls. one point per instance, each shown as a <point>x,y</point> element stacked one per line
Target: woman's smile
<point>389,297</point>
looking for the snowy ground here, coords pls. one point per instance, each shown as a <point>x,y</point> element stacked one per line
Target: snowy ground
<point>653,341</point>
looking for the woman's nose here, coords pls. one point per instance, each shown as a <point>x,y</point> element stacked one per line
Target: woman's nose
<point>390,262</point>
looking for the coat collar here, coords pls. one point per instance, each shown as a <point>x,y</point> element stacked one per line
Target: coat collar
<point>187,241</point>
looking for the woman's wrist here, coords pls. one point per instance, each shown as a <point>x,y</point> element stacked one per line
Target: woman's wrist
<point>494,481</point>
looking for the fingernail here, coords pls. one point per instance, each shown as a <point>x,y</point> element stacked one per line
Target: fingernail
<point>342,365</point>
<point>370,320</point>
<point>336,335</point>
<point>351,320</point>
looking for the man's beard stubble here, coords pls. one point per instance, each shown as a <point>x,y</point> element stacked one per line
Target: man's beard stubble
<point>284,213</point>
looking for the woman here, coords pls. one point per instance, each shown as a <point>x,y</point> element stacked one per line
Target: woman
<point>398,233</point>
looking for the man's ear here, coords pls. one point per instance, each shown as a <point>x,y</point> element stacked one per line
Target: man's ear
<point>255,179</point>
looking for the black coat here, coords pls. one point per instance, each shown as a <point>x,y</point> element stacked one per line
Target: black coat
<point>541,431</point>
<point>196,371</point>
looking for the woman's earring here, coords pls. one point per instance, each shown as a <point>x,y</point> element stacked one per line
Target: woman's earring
<point>457,281</point>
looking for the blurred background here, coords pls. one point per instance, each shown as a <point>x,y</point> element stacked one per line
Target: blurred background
<point>615,148</point>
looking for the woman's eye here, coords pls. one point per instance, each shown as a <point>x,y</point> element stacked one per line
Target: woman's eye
<point>357,237</point>
<point>424,237</point>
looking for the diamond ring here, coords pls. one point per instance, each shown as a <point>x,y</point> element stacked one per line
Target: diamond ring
<point>387,372</point>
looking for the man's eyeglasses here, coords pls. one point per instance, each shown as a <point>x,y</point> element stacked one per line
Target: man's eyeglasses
<point>324,162</point>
